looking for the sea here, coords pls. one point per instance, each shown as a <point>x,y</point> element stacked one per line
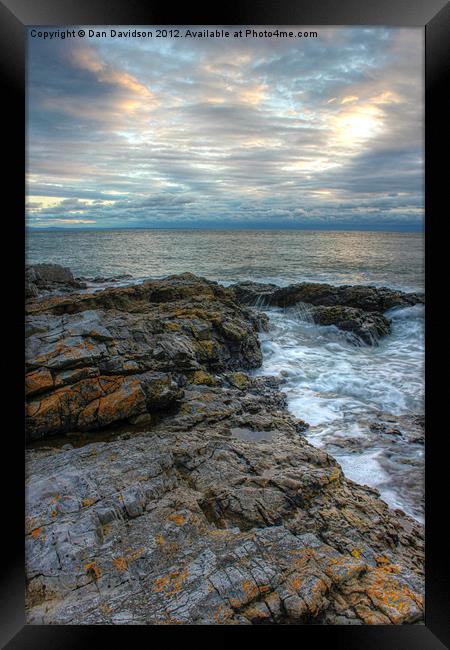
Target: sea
<point>341,390</point>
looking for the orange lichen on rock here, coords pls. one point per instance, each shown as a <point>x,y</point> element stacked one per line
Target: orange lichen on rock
<point>257,612</point>
<point>44,415</point>
<point>88,403</point>
<point>161,583</point>
<point>381,592</point>
<point>305,555</point>
<point>127,400</point>
<point>223,615</point>
<point>89,501</point>
<point>295,581</point>
<point>35,533</point>
<point>171,584</point>
<point>94,569</point>
<point>135,555</point>
<point>38,381</point>
<point>120,563</point>
<point>392,568</point>
<point>177,518</point>
<point>250,589</point>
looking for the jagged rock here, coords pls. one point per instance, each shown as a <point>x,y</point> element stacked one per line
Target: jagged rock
<point>97,401</point>
<point>53,273</point>
<point>366,326</point>
<point>355,309</point>
<point>188,523</point>
<point>254,293</point>
<point>48,277</point>
<point>87,353</point>
<point>409,427</point>
<point>205,506</point>
<point>360,297</point>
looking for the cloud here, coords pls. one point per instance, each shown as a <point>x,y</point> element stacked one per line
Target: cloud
<point>183,131</point>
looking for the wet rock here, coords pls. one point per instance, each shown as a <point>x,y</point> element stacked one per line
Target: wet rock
<point>356,309</point>
<point>409,427</point>
<point>199,503</point>
<point>254,293</point>
<point>199,526</point>
<point>87,404</point>
<point>132,347</point>
<point>52,273</point>
<point>365,326</point>
<point>360,297</point>
<point>49,277</point>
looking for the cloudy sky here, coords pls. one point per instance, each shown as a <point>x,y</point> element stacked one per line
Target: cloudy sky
<point>190,132</point>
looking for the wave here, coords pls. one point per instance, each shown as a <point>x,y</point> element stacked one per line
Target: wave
<point>341,390</point>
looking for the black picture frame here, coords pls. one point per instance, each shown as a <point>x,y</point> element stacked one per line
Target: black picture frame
<point>434,17</point>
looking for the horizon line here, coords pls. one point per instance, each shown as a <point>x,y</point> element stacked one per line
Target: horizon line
<point>343,228</point>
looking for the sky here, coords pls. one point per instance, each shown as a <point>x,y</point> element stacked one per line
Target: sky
<point>323,132</point>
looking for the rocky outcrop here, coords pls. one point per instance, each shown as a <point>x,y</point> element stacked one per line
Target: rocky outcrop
<point>198,500</point>
<point>359,297</point>
<point>49,277</point>
<point>365,326</point>
<point>221,514</point>
<point>115,355</point>
<point>410,428</point>
<point>355,309</point>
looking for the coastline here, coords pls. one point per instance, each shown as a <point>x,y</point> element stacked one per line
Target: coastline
<point>210,506</point>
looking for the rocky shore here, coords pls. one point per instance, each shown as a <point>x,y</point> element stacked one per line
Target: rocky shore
<point>166,485</point>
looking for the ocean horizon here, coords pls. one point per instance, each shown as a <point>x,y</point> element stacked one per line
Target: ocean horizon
<point>344,228</point>
<point>283,256</point>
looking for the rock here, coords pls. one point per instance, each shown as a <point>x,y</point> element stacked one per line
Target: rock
<point>368,327</point>
<point>31,290</point>
<point>197,502</point>
<point>355,309</point>
<point>52,273</point>
<point>254,293</point>
<point>187,524</point>
<point>49,277</point>
<point>38,381</point>
<point>409,427</point>
<point>357,296</point>
<point>87,404</point>
<point>200,377</point>
<point>132,347</point>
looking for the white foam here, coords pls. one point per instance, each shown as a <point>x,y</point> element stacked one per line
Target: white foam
<point>334,385</point>
<point>364,469</point>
